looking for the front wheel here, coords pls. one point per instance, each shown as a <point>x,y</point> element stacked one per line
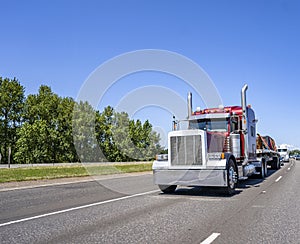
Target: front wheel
<point>167,188</point>
<point>231,178</point>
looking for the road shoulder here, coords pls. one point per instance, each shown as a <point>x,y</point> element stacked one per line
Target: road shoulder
<point>9,186</point>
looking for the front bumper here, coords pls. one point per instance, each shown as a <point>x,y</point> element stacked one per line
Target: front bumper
<point>190,177</point>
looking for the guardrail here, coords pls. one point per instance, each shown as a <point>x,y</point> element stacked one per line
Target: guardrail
<point>69,164</point>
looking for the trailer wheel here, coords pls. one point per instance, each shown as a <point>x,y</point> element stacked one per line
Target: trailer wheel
<point>275,163</point>
<point>231,178</point>
<point>263,171</point>
<point>266,169</point>
<point>167,188</point>
<point>278,163</point>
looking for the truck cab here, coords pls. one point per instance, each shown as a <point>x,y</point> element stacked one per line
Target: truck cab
<point>284,152</point>
<point>218,149</point>
<point>224,130</point>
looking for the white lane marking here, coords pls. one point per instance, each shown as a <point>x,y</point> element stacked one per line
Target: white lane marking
<point>278,179</point>
<point>289,169</point>
<point>211,238</point>
<point>258,206</point>
<point>77,208</point>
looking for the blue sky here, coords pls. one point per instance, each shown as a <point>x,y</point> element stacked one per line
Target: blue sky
<point>59,43</point>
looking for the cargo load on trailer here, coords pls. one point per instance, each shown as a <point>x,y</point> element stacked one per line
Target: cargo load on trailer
<point>265,142</point>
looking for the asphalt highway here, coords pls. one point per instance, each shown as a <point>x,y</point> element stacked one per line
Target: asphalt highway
<point>130,209</point>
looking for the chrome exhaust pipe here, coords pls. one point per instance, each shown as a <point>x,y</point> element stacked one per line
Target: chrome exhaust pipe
<point>243,98</point>
<point>245,121</point>
<point>190,105</point>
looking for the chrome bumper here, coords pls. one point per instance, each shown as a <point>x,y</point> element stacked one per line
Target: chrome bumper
<point>190,177</point>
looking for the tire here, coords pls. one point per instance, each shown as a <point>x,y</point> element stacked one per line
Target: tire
<point>266,169</point>
<point>275,163</point>
<point>263,171</point>
<point>278,163</point>
<point>167,189</point>
<point>231,178</point>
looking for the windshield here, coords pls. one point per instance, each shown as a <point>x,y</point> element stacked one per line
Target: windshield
<point>218,125</point>
<point>282,150</point>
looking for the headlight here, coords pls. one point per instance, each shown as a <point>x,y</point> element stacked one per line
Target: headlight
<point>216,156</point>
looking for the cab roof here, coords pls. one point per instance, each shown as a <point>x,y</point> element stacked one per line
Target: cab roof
<point>226,110</point>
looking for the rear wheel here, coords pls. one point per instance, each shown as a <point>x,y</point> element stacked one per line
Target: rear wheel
<point>167,188</point>
<point>231,178</point>
<point>263,170</point>
<point>278,163</point>
<point>275,163</point>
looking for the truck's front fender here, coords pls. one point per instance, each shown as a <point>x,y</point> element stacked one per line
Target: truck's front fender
<point>160,165</point>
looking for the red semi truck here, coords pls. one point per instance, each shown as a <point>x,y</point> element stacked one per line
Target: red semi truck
<point>219,148</point>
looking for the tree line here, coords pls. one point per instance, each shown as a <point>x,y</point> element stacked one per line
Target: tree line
<point>294,152</point>
<point>47,128</point>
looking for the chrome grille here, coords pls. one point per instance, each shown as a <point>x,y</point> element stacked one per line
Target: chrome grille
<point>186,150</point>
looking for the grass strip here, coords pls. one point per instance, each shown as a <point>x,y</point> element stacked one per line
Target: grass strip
<point>53,172</point>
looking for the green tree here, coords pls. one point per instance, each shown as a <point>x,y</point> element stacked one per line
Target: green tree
<point>11,107</point>
<point>145,140</point>
<point>32,146</point>
<point>42,110</point>
<point>66,150</point>
<point>57,129</point>
<point>46,137</point>
<point>122,139</point>
<point>42,106</point>
<point>84,133</point>
<point>124,147</point>
<point>295,152</point>
<point>103,130</point>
